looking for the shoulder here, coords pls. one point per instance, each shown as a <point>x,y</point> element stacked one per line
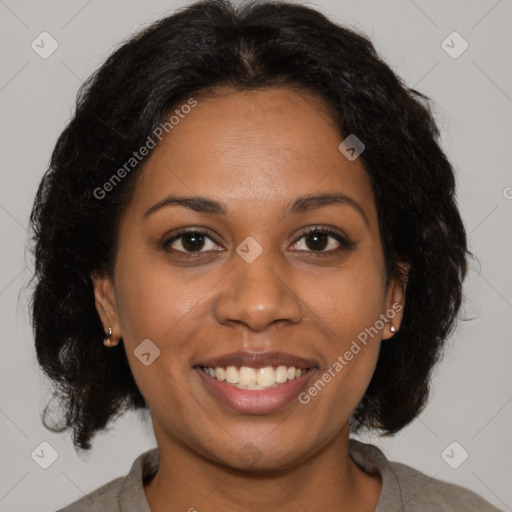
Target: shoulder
<point>106,498</point>
<point>423,492</point>
<point>123,492</point>
<point>408,489</point>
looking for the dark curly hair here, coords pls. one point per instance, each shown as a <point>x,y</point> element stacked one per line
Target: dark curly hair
<point>255,45</point>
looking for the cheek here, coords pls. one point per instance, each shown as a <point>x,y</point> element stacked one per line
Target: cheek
<point>155,300</point>
<point>347,306</point>
<point>350,298</point>
<point>347,310</point>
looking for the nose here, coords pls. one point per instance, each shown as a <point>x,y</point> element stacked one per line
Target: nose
<point>257,295</point>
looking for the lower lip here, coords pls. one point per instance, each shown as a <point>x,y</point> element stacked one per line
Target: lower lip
<point>256,401</point>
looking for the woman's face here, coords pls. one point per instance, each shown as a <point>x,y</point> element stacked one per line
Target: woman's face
<point>255,283</point>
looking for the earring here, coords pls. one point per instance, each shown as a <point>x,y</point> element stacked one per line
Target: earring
<point>108,342</point>
<point>392,328</point>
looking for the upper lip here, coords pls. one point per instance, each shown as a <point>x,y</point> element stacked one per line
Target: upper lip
<point>258,360</point>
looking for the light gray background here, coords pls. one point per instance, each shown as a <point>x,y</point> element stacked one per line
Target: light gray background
<point>472,390</point>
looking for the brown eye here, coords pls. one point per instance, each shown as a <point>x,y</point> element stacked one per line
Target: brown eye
<point>193,241</point>
<point>190,241</point>
<point>318,241</point>
<point>323,240</point>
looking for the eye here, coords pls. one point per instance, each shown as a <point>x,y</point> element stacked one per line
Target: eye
<point>318,241</point>
<point>191,241</point>
<point>322,238</point>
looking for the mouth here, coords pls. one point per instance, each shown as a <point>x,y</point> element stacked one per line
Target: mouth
<point>248,378</point>
<point>256,383</point>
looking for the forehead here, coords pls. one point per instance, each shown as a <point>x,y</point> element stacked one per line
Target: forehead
<point>253,150</point>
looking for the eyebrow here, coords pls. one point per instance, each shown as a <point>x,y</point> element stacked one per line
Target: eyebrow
<point>301,204</point>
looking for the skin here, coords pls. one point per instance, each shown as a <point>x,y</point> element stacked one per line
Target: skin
<point>256,151</point>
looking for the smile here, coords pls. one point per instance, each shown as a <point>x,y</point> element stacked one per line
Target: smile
<point>244,377</point>
<point>254,398</point>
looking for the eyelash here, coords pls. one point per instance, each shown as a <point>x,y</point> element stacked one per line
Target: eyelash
<point>345,243</point>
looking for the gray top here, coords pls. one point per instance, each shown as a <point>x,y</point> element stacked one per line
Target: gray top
<point>404,489</point>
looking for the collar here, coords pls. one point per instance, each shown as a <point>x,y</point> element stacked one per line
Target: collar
<point>367,456</point>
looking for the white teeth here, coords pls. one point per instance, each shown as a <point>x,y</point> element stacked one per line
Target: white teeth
<point>247,376</point>
<point>231,375</point>
<point>255,378</point>
<point>281,374</point>
<point>220,374</point>
<point>266,376</point>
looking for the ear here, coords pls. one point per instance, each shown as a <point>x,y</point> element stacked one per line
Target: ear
<point>395,301</point>
<point>105,301</point>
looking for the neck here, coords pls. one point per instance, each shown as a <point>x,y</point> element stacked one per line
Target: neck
<point>328,480</point>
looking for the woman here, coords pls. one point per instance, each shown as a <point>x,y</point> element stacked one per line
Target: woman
<point>253,213</point>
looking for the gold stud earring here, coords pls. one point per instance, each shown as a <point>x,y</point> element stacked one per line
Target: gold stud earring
<point>108,341</point>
